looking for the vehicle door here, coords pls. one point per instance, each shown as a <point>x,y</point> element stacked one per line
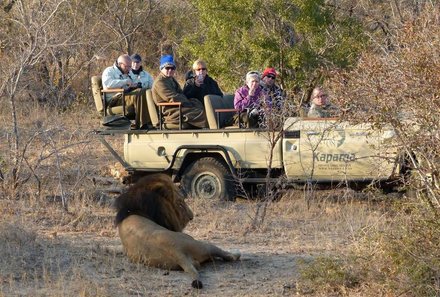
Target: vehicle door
<point>331,150</point>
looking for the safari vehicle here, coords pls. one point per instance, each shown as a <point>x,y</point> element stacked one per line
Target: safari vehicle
<point>216,162</point>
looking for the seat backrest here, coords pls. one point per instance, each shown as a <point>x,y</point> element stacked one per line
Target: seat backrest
<point>226,119</point>
<point>152,109</point>
<point>96,91</point>
<point>213,102</point>
<point>228,100</point>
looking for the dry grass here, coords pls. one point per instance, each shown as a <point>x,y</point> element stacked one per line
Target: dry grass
<point>50,251</point>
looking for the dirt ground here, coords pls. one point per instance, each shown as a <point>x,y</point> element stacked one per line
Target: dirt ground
<point>48,252</point>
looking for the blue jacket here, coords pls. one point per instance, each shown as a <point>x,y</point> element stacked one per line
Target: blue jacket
<point>144,77</point>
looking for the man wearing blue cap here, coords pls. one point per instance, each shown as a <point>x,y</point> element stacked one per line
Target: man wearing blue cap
<point>167,89</point>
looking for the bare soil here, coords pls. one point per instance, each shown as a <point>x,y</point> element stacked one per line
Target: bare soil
<point>49,252</point>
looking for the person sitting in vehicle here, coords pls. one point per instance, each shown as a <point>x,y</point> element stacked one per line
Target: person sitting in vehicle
<point>119,76</point>
<point>251,100</point>
<point>321,107</point>
<point>274,92</point>
<point>140,75</point>
<point>199,84</point>
<point>167,89</point>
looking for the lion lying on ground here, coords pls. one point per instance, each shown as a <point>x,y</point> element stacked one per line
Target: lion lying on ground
<point>150,218</point>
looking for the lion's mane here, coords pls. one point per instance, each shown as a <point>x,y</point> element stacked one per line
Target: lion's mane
<point>157,198</point>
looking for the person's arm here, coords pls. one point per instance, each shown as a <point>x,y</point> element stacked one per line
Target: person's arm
<point>215,89</point>
<point>147,80</point>
<point>241,99</point>
<point>190,89</point>
<point>260,100</point>
<point>112,80</point>
<point>167,93</point>
<point>313,113</point>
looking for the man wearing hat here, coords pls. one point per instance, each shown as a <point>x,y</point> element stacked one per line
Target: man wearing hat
<point>140,75</point>
<point>120,76</point>
<point>275,93</point>
<point>167,89</point>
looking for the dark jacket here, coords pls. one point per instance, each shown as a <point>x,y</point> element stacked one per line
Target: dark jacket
<point>209,87</point>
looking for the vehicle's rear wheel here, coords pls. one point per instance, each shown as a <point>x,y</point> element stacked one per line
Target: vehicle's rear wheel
<point>208,178</point>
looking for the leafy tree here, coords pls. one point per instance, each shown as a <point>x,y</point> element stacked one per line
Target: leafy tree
<point>302,39</point>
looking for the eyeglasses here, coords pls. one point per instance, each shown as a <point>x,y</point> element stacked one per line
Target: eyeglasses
<point>321,96</point>
<point>271,76</point>
<point>170,68</point>
<point>201,69</point>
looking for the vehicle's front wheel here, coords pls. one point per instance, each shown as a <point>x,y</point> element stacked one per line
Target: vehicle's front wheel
<point>208,178</point>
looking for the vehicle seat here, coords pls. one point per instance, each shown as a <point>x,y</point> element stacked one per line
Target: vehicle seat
<point>152,109</point>
<point>112,114</point>
<point>219,111</point>
<point>157,117</point>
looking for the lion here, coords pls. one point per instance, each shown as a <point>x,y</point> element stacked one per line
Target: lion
<point>150,218</point>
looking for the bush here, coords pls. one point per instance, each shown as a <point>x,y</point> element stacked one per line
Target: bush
<point>326,275</point>
<point>398,86</point>
<point>405,258</point>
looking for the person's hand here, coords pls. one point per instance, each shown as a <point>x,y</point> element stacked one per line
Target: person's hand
<point>252,89</point>
<point>129,85</point>
<point>199,80</point>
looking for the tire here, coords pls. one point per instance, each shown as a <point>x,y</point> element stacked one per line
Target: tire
<point>208,178</point>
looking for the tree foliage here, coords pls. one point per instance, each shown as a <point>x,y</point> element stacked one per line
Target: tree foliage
<point>401,88</point>
<point>302,39</point>
<point>398,85</point>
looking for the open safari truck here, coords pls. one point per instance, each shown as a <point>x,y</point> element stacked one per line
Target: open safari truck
<point>221,162</point>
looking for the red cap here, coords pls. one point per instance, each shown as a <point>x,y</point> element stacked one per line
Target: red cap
<point>269,70</point>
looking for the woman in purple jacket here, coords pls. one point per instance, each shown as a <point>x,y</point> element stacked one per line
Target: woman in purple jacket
<point>251,101</point>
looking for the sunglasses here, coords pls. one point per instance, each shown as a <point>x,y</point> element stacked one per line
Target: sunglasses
<point>170,68</point>
<point>270,76</point>
<point>201,69</point>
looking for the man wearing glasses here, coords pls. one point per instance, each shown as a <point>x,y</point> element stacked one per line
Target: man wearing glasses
<point>199,84</point>
<point>166,89</point>
<point>321,107</point>
<point>274,92</point>
<point>119,76</point>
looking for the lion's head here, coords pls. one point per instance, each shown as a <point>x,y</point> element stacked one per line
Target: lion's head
<point>156,198</point>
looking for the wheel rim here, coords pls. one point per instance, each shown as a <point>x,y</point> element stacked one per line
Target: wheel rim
<point>206,185</point>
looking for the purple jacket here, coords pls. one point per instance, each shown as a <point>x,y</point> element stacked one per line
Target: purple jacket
<point>242,100</point>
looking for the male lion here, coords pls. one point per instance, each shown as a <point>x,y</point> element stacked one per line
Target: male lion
<point>151,216</point>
